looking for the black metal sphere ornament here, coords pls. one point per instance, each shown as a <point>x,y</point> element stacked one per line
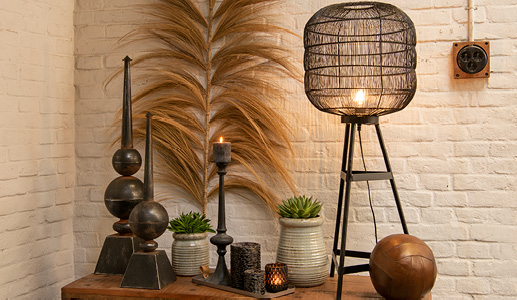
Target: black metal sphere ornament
<point>121,196</point>
<point>126,161</point>
<point>123,193</point>
<point>126,191</point>
<point>149,219</point>
<point>360,59</point>
<point>148,268</point>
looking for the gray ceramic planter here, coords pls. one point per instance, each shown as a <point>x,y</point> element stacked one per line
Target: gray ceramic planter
<point>302,248</point>
<point>189,252</point>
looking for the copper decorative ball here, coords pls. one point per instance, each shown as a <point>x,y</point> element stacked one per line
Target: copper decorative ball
<point>402,267</point>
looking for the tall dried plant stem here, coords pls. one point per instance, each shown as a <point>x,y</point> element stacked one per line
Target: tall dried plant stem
<point>207,102</point>
<point>214,75</point>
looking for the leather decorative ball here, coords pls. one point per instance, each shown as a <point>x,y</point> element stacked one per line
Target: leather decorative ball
<point>122,194</point>
<point>126,161</point>
<point>402,267</point>
<point>148,220</point>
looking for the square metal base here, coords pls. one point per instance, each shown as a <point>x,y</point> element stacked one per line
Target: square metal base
<point>115,254</point>
<point>148,270</point>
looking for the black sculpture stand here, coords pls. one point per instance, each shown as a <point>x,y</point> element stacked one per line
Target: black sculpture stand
<point>221,276</point>
<point>148,270</point>
<point>115,254</point>
<point>347,177</point>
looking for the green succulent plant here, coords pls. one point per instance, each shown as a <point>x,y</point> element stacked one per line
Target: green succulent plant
<point>299,207</point>
<point>192,222</point>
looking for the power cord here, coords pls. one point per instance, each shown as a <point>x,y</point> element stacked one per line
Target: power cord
<point>367,182</point>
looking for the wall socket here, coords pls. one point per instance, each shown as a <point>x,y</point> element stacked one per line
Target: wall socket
<point>471,59</point>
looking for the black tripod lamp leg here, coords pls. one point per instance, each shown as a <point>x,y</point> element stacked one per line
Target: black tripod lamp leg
<point>341,267</point>
<point>392,181</point>
<point>340,200</point>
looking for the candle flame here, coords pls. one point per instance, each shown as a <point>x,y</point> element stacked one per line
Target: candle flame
<point>359,97</point>
<point>277,281</point>
<point>220,139</point>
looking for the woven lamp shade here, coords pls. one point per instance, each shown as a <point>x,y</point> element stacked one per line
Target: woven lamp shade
<point>360,59</point>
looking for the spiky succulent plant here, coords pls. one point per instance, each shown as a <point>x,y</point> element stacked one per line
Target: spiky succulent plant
<point>299,207</point>
<point>192,222</point>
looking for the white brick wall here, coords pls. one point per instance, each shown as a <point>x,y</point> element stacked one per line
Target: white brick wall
<point>36,148</point>
<point>453,150</point>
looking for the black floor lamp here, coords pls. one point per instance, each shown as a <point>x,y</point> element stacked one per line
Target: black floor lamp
<point>359,62</point>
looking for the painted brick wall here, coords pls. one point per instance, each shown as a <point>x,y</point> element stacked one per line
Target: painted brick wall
<point>453,149</point>
<point>36,148</point>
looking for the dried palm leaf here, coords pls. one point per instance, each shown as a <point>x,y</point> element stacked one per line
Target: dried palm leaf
<point>211,76</point>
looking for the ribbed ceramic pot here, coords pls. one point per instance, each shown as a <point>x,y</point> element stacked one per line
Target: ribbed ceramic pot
<point>302,248</point>
<point>189,252</point>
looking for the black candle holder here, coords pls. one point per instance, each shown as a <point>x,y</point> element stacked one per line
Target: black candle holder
<point>221,276</point>
<point>276,277</point>
<point>221,279</point>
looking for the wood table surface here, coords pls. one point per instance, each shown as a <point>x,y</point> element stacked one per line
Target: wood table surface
<point>108,287</point>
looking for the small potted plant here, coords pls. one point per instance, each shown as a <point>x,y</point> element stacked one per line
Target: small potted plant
<point>190,246</point>
<point>301,246</point>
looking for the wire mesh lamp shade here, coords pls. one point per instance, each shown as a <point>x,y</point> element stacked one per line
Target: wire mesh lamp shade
<point>360,59</point>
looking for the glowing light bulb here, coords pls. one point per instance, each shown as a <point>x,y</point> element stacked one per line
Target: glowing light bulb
<point>359,98</point>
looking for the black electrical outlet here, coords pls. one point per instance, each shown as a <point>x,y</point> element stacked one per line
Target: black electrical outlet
<point>471,59</point>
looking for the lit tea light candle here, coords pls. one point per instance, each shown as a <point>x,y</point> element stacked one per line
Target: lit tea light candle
<point>276,277</point>
<point>222,151</point>
<point>359,97</point>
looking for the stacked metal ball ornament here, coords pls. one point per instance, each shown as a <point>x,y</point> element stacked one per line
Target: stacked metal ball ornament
<point>126,191</point>
<point>123,193</point>
<point>149,219</point>
<point>148,268</point>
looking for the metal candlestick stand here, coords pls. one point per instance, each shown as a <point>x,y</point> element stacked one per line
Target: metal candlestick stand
<point>221,275</point>
<point>347,176</point>
<point>221,279</point>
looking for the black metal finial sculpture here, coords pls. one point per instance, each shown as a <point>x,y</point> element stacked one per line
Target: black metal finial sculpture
<point>123,193</point>
<point>148,268</point>
<point>360,59</point>
<point>221,276</point>
<point>127,161</point>
<point>149,219</point>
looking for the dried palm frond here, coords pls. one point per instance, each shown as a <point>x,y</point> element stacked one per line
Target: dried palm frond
<point>211,76</point>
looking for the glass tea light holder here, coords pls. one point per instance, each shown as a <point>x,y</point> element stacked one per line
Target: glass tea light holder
<point>276,277</point>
